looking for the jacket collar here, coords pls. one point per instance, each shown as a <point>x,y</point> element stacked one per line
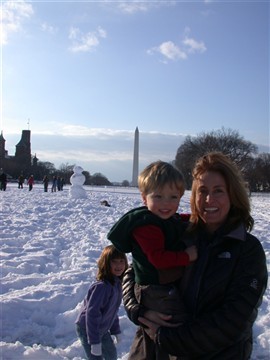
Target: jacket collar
<point>238,233</point>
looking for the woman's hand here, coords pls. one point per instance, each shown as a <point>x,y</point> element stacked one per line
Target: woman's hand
<point>157,318</point>
<point>151,328</point>
<point>153,320</point>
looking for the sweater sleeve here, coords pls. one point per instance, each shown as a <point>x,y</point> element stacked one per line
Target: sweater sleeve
<point>115,328</point>
<point>95,303</point>
<point>152,242</point>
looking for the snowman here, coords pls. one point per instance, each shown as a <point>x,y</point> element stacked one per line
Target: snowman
<point>77,180</point>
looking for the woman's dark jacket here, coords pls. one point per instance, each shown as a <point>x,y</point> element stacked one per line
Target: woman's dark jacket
<point>224,290</point>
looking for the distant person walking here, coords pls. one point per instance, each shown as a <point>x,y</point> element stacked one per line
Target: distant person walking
<point>20,181</point>
<point>62,183</point>
<point>3,180</point>
<point>30,182</point>
<point>54,184</point>
<point>45,183</point>
<point>59,183</point>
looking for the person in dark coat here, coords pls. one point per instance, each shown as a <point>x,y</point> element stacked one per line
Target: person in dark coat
<point>62,183</point>
<point>45,183</point>
<point>59,183</point>
<point>224,287</point>
<point>20,181</point>
<point>3,180</point>
<point>54,184</point>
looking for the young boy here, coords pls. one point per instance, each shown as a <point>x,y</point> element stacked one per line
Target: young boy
<point>152,234</point>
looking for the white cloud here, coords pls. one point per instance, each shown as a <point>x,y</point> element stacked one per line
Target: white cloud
<point>107,151</point>
<point>102,33</point>
<point>48,28</point>
<point>13,14</point>
<point>170,51</point>
<point>194,46</point>
<point>73,33</point>
<point>135,6</point>
<point>85,42</point>
<point>67,130</point>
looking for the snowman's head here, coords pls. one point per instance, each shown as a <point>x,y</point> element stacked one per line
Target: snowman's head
<point>77,169</point>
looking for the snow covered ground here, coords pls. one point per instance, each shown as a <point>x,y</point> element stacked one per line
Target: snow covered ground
<point>49,246</point>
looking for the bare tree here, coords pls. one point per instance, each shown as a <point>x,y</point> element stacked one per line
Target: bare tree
<point>99,179</point>
<point>259,173</point>
<point>227,141</point>
<point>125,183</point>
<point>65,171</point>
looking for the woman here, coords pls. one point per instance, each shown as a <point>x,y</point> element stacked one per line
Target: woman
<point>225,286</point>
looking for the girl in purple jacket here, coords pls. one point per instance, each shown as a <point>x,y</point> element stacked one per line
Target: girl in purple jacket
<point>98,318</point>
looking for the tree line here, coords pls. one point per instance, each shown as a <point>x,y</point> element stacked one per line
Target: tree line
<point>254,166</point>
<point>65,171</point>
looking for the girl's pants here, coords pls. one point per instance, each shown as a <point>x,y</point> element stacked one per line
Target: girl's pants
<point>107,346</point>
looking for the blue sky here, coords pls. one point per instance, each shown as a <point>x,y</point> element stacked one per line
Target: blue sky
<point>85,74</point>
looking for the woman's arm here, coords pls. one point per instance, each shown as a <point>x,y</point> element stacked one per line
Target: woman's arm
<point>132,307</point>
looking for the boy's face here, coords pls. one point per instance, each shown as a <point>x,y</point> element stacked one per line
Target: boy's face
<point>163,202</point>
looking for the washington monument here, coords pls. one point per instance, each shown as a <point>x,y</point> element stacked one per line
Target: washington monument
<point>135,171</point>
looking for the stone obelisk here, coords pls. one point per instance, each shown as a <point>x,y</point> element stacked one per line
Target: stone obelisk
<point>135,171</point>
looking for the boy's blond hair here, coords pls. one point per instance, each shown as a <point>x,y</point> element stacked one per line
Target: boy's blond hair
<point>158,174</point>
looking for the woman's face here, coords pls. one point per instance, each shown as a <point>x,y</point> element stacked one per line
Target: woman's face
<point>212,199</point>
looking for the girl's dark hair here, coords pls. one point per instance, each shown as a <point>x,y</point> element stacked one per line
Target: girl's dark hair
<point>104,263</point>
<point>236,187</point>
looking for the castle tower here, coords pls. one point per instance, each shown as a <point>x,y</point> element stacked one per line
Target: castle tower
<point>23,150</point>
<point>2,150</point>
<point>135,171</point>
<point>35,161</point>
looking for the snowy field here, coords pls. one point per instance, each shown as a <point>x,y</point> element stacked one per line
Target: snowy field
<point>50,243</point>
